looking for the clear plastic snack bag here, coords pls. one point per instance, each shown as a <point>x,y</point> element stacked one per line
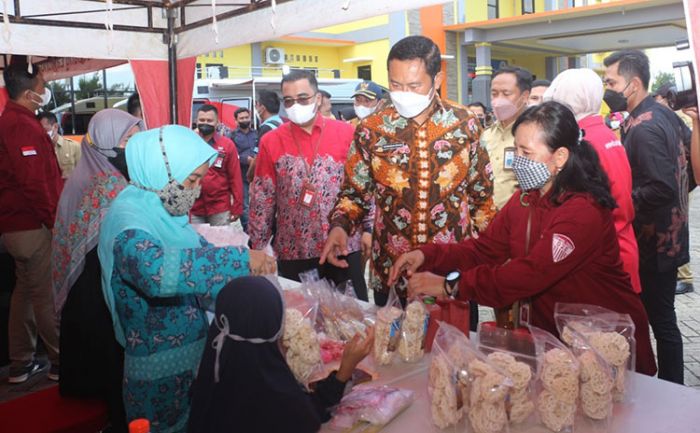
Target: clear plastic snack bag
<point>413,331</point>
<point>300,342</point>
<point>558,385</point>
<point>513,352</point>
<point>388,330</point>
<point>463,381</point>
<point>376,405</point>
<point>611,334</point>
<point>448,377</point>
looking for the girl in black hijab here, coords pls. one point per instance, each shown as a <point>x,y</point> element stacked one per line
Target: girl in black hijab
<point>244,384</point>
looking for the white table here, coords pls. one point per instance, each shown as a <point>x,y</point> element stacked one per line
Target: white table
<point>657,406</point>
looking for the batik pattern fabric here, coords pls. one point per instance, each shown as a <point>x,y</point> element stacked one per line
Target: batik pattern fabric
<point>280,180</point>
<point>75,235</point>
<point>432,183</point>
<point>158,294</point>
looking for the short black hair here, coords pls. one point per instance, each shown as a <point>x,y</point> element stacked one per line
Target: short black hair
<point>48,116</point>
<point>325,94</point>
<point>239,111</point>
<point>18,79</point>
<point>522,75</point>
<point>417,47</point>
<point>477,104</point>
<point>541,83</point>
<point>205,108</point>
<point>269,100</point>
<point>133,103</point>
<point>631,63</point>
<point>300,74</point>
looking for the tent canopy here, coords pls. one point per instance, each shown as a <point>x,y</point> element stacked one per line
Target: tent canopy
<point>139,29</point>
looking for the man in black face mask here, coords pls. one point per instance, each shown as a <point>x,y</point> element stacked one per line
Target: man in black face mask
<point>656,154</point>
<point>246,140</point>
<point>221,200</point>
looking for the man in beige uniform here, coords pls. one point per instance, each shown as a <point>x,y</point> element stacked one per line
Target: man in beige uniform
<point>510,89</point>
<point>67,150</point>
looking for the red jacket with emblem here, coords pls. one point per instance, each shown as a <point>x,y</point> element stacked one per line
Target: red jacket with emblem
<point>30,179</point>
<point>573,257</point>
<point>222,187</point>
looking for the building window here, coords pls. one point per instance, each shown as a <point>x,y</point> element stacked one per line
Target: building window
<point>364,72</point>
<point>316,59</point>
<point>198,68</point>
<point>528,6</point>
<point>492,6</point>
<point>303,58</point>
<point>298,58</point>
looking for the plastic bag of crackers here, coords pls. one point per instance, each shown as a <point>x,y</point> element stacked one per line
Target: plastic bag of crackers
<point>300,342</point>
<point>387,331</point>
<point>513,351</point>
<point>558,382</point>
<point>463,382</point>
<point>611,334</point>
<point>413,331</point>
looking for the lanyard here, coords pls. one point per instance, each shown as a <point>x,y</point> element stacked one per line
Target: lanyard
<point>315,148</point>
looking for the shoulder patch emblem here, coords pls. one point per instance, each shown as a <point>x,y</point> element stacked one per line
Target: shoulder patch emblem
<point>562,247</point>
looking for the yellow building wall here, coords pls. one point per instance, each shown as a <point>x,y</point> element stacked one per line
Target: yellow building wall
<point>475,10</point>
<point>323,58</point>
<point>377,50</point>
<point>356,25</point>
<point>238,59</point>
<point>535,64</point>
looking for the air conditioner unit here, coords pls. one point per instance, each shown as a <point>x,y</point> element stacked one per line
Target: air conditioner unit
<point>274,56</point>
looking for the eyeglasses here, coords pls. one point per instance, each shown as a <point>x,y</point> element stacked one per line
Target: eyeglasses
<point>302,100</point>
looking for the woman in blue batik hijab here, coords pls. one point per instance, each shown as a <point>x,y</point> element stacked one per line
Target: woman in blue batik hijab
<point>156,270</point>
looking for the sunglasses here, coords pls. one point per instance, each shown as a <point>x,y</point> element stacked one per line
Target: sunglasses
<point>302,100</point>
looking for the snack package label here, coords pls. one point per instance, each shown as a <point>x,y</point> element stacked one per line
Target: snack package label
<point>394,335</point>
<point>426,322</point>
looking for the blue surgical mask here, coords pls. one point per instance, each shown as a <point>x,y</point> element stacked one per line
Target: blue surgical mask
<point>530,174</point>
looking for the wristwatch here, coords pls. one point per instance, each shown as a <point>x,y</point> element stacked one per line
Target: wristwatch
<point>451,281</point>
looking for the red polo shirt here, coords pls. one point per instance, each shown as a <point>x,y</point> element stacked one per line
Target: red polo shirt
<point>222,187</point>
<point>30,179</point>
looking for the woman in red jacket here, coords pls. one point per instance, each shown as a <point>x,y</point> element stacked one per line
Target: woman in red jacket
<point>554,241</point>
<point>582,91</point>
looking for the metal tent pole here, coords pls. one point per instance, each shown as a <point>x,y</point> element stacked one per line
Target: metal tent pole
<point>170,38</point>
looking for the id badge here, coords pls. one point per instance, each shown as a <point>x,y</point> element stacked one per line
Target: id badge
<point>524,313</point>
<point>219,162</point>
<point>308,196</point>
<point>508,156</point>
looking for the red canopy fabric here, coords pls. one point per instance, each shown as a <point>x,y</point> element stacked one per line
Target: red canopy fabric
<point>152,82</point>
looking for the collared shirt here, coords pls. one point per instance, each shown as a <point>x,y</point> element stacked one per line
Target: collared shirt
<point>246,144</point>
<point>432,183</point>
<point>68,154</point>
<point>500,144</point>
<point>30,179</point>
<point>654,144</point>
<point>293,163</point>
<point>222,187</point>
<point>271,123</point>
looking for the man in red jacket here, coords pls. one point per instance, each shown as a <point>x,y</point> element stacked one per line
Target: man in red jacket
<point>30,185</point>
<point>221,200</point>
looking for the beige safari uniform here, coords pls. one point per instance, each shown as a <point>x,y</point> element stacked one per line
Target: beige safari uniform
<point>68,155</point>
<point>497,139</point>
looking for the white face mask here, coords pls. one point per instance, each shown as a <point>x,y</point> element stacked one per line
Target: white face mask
<point>301,114</point>
<point>45,97</point>
<point>410,104</point>
<point>363,111</point>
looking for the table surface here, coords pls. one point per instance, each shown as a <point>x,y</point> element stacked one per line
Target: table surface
<point>654,406</point>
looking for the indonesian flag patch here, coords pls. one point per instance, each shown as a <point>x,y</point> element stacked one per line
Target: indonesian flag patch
<point>28,151</point>
<point>562,247</point>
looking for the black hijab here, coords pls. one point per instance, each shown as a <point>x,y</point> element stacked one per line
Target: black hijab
<point>256,391</point>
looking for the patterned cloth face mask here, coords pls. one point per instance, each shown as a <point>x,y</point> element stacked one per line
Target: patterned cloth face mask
<point>177,199</point>
<point>530,174</point>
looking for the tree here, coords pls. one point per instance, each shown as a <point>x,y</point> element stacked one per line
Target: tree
<point>60,94</point>
<point>662,78</point>
<point>88,87</point>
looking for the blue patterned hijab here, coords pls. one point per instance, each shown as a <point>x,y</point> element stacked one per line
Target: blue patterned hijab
<point>136,208</point>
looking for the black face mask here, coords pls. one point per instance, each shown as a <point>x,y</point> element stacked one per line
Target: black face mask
<point>119,161</point>
<point>244,125</point>
<point>205,129</point>
<point>615,100</point>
